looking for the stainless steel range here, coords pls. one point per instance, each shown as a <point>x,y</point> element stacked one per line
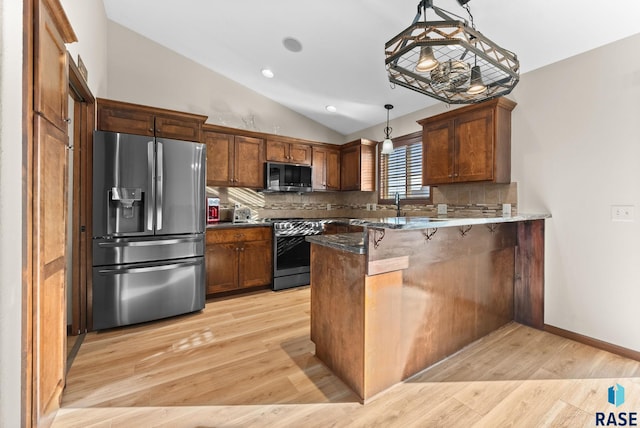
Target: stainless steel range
<point>292,253</point>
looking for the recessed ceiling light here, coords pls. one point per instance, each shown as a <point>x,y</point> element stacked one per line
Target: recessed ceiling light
<point>291,44</point>
<point>331,109</point>
<point>267,73</point>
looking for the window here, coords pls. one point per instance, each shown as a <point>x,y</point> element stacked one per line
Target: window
<point>401,171</point>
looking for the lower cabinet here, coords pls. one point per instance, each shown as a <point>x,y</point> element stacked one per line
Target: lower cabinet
<point>238,258</point>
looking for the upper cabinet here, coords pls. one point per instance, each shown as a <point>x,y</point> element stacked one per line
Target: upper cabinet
<point>326,168</point>
<point>468,144</point>
<point>50,67</point>
<point>358,166</point>
<point>233,160</point>
<point>117,116</point>
<point>280,150</point>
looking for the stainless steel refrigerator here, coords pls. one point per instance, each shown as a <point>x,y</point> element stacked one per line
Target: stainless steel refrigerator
<point>148,228</point>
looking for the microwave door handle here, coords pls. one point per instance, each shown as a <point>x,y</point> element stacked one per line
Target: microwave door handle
<point>159,187</point>
<point>151,173</point>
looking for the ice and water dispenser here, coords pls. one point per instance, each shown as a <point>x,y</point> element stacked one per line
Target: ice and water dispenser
<point>126,211</point>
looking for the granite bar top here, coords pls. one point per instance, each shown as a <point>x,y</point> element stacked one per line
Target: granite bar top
<point>351,242</point>
<point>354,242</point>
<point>441,221</point>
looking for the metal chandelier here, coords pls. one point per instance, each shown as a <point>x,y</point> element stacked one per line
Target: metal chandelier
<point>449,59</point>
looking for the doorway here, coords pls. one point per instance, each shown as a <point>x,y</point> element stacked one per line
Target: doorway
<point>81,123</point>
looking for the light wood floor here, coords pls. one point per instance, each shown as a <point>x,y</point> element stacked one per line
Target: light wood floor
<point>248,362</point>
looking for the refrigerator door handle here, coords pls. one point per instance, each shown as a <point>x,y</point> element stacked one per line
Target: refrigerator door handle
<point>160,185</point>
<point>149,243</point>
<point>122,271</point>
<point>151,170</point>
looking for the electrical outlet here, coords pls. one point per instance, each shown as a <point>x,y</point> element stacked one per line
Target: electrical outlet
<point>368,207</point>
<point>622,212</point>
<point>506,210</point>
<point>374,207</point>
<point>328,207</point>
<point>442,209</point>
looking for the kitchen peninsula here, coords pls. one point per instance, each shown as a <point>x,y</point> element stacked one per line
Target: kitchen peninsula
<point>408,292</point>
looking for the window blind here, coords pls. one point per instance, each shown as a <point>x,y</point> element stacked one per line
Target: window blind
<point>401,171</point>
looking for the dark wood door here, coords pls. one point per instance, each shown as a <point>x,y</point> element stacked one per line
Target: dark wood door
<point>277,151</point>
<point>332,170</point>
<point>125,120</point>
<point>220,151</point>
<point>51,70</point>
<point>50,252</point>
<point>222,267</point>
<point>300,154</point>
<point>319,180</point>
<point>178,128</point>
<point>255,263</point>
<point>47,348</point>
<point>350,168</point>
<point>474,146</point>
<point>438,164</point>
<point>249,162</point>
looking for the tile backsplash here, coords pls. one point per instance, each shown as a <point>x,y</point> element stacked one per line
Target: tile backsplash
<point>483,197</point>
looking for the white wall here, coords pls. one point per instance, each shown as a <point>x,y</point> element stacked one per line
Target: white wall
<point>576,152</point>
<point>89,21</point>
<point>144,72</point>
<point>10,210</point>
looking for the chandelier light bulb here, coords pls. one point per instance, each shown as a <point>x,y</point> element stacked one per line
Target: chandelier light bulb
<point>476,86</point>
<point>427,60</point>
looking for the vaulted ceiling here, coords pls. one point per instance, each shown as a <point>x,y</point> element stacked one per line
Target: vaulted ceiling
<point>341,61</point>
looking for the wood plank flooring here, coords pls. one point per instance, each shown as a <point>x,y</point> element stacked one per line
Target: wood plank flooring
<point>248,362</point>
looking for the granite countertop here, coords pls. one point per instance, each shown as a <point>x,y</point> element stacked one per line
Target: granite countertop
<point>354,242</point>
<point>441,221</point>
<point>351,242</point>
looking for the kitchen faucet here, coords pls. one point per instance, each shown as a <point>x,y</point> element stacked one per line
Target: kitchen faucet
<point>398,213</point>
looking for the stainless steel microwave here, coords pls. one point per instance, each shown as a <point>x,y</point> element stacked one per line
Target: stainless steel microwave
<point>285,177</point>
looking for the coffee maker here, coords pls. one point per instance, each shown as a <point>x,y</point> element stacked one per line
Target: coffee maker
<point>213,210</point>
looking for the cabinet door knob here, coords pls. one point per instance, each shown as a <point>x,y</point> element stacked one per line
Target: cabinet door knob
<point>450,175</point>
<point>150,129</point>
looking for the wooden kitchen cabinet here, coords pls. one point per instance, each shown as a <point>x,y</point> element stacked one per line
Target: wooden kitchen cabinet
<point>358,165</point>
<point>288,152</point>
<point>469,144</point>
<point>326,168</point>
<point>118,116</point>
<point>45,178</point>
<point>238,257</point>
<point>234,160</point>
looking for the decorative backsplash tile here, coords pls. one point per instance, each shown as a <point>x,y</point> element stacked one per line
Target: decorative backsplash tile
<point>483,198</point>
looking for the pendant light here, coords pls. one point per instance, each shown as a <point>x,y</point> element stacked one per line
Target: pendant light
<point>446,58</point>
<point>387,144</point>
